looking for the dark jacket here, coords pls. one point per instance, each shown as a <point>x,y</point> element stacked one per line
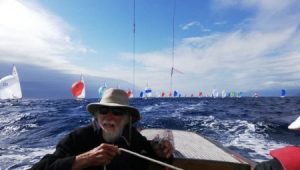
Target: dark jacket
<point>87,138</point>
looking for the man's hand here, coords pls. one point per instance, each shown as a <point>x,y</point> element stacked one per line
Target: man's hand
<point>99,156</point>
<point>163,149</point>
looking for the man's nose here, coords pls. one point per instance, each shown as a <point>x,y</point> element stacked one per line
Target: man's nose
<point>109,114</point>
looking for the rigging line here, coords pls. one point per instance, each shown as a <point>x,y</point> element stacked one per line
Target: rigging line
<point>150,159</point>
<point>173,37</point>
<point>133,74</point>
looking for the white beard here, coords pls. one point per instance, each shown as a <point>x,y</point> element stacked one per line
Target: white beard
<point>110,135</point>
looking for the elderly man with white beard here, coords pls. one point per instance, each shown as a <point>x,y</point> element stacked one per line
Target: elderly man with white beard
<point>96,146</point>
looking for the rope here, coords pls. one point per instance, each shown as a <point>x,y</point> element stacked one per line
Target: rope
<point>150,159</point>
<point>173,37</point>
<point>133,46</point>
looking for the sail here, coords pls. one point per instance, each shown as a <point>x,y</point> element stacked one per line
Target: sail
<point>283,92</point>
<point>129,93</point>
<point>224,94</point>
<point>102,89</point>
<point>233,94</point>
<point>141,94</point>
<point>240,94</point>
<point>148,92</point>
<point>214,93</point>
<point>78,89</point>
<point>10,87</point>
<point>175,93</point>
<point>200,94</point>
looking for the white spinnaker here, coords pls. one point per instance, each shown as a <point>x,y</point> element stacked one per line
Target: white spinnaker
<point>223,93</point>
<point>10,87</point>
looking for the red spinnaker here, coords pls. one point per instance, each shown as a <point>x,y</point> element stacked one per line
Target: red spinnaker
<point>77,88</point>
<point>129,93</point>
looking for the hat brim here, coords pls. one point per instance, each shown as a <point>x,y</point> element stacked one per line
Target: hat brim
<point>295,125</point>
<point>93,107</point>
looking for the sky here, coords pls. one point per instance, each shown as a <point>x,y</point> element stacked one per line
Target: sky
<point>234,45</point>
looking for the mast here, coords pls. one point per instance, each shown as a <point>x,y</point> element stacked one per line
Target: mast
<point>173,37</point>
<point>133,63</point>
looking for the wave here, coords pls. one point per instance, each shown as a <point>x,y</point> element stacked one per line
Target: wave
<point>30,128</point>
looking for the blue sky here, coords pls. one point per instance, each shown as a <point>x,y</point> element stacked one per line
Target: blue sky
<point>219,44</point>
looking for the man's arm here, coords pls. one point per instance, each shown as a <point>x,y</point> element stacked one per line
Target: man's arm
<point>64,155</point>
<point>51,162</point>
<point>62,158</point>
<point>99,156</point>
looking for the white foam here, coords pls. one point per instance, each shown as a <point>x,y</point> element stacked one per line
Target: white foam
<point>148,108</point>
<point>249,139</point>
<point>17,155</point>
<point>238,133</point>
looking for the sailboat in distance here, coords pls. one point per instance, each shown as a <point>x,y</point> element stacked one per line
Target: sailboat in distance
<point>148,92</point>
<point>10,87</point>
<point>129,93</point>
<point>102,89</point>
<point>283,92</point>
<point>78,89</point>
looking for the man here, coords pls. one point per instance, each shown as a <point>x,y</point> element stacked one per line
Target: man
<point>287,158</point>
<point>97,145</point>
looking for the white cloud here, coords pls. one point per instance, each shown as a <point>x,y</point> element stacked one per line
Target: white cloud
<point>189,25</point>
<point>194,24</point>
<point>269,14</point>
<point>29,34</point>
<point>266,55</point>
<point>269,5</point>
<point>220,23</point>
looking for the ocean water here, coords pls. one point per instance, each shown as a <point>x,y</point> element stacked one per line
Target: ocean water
<point>30,128</point>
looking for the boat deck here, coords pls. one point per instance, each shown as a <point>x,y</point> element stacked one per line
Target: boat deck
<point>193,151</point>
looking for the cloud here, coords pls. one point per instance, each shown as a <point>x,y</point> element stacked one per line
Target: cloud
<point>32,35</point>
<point>220,23</point>
<point>29,34</point>
<point>261,52</point>
<point>268,14</point>
<point>264,55</point>
<point>189,25</point>
<point>194,24</point>
<point>268,5</point>
<point>246,60</point>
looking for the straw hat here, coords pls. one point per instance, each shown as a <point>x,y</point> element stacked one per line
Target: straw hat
<point>295,125</point>
<point>115,98</point>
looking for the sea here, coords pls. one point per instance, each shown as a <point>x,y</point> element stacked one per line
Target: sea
<point>31,128</point>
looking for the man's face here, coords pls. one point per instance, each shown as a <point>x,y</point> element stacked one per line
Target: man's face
<point>112,122</point>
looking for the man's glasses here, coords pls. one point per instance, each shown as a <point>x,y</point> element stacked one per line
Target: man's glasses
<point>114,111</point>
